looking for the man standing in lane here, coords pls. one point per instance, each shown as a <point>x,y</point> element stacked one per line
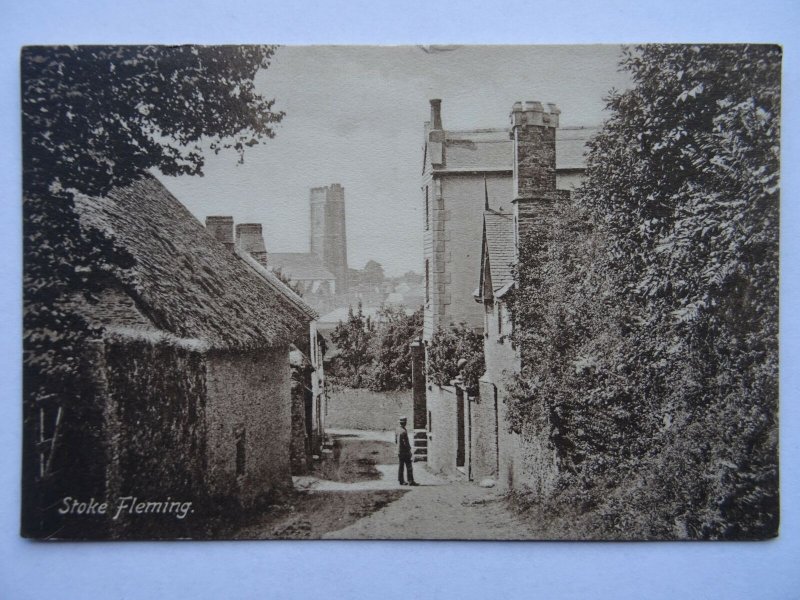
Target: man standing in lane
<point>404,453</point>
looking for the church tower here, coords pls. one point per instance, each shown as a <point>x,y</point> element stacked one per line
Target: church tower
<point>328,237</point>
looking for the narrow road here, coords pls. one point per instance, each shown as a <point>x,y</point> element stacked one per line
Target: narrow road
<point>354,494</point>
<point>437,509</point>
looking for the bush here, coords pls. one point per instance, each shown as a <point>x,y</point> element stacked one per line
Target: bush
<point>647,316</point>
<point>447,348</point>
<point>375,355</point>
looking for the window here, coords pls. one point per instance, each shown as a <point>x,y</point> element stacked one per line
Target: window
<point>240,452</point>
<point>427,281</point>
<point>427,211</point>
<point>499,318</point>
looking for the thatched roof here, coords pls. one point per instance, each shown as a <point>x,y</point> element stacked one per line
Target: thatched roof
<point>185,282</point>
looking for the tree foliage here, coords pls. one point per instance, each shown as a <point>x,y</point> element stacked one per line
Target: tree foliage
<point>391,348</point>
<point>376,354</point>
<point>448,348</point>
<point>353,338</point>
<point>647,317</point>
<point>96,117</point>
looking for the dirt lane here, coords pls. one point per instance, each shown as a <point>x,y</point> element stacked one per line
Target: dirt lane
<point>353,497</point>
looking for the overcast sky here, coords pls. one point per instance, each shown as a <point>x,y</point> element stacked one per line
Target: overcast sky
<point>354,115</point>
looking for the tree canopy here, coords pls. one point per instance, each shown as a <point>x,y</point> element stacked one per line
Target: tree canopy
<point>96,117</point>
<point>647,316</point>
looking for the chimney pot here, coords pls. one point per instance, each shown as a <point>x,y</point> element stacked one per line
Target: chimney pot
<point>221,227</point>
<point>249,238</point>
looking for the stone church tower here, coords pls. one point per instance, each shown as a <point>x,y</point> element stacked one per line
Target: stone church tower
<point>328,231</point>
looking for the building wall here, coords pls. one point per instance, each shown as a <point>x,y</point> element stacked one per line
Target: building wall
<point>364,409</point>
<point>335,253</point>
<point>328,231</point>
<point>484,432</point>
<point>569,180</point>
<point>452,243</point>
<point>155,428</point>
<point>249,423</point>
<point>442,429</point>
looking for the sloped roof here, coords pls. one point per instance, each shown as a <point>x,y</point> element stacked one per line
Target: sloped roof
<point>273,281</point>
<point>299,266</point>
<point>493,150</point>
<point>499,235</point>
<point>478,150</point>
<point>185,282</point>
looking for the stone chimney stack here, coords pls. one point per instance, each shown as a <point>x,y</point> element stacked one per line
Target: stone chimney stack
<point>436,134</point>
<point>222,230</point>
<point>436,113</point>
<point>533,130</point>
<point>250,238</point>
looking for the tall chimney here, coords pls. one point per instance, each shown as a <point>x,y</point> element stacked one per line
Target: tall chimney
<point>250,238</point>
<point>222,229</point>
<point>435,139</point>
<point>533,130</point>
<point>436,113</point>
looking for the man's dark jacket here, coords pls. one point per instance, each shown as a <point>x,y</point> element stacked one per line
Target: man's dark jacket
<point>403,445</point>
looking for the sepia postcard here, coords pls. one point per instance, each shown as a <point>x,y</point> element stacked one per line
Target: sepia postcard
<point>401,292</point>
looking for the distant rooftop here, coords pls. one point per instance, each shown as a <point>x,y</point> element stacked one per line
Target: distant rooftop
<point>300,266</point>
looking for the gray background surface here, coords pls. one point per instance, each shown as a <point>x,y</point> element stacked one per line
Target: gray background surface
<point>393,569</point>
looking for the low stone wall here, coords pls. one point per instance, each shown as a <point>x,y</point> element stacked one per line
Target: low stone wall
<point>364,409</point>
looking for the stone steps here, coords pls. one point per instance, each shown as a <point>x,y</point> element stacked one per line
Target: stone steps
<point>420,446</point>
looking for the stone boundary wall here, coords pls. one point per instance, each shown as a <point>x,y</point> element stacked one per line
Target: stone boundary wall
<point>364,409</point>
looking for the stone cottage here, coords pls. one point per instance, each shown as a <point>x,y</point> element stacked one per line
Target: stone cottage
<point>309,394</point>
<point>191,374</point>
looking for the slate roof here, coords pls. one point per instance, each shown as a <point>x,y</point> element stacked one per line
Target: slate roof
<point>493,150</point>
<point>300,266</point>
<point>499,241</point>
<point>185,283</point>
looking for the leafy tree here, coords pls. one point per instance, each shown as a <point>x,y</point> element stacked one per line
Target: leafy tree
<point>391,348</point>
<point>95,117</point>
<point>656,301</point>
<point>353,338</point>
<point>372,274</point>
<point>448,348</point>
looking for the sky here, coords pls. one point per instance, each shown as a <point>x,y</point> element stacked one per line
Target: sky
<point>355,115</point>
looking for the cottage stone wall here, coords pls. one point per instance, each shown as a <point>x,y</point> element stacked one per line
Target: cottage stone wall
<point>154,426</point>
<point>364,409</point>
<point>249,424</point>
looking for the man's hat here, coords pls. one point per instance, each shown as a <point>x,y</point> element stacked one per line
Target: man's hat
<point>403,419</point>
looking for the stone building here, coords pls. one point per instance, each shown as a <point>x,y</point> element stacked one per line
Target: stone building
<point>323,271</point>
<point>306,271</point>
<point>191,377</point>
<point>309,395</point>
<point>461,169</point>
<point>329,232</point>
<point>502,455</point>
<point>472,181</point>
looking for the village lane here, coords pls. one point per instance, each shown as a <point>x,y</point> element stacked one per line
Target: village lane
<point>438,508</point>
<point>354,494</point>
